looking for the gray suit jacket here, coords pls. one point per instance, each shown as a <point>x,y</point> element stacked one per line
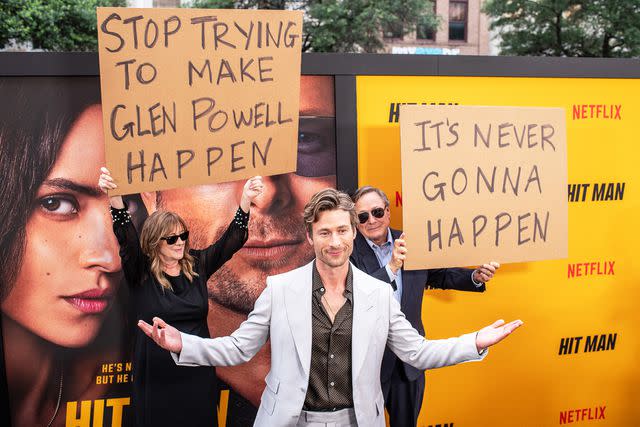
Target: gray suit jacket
<point>283,314</point>
<point>414,282</point>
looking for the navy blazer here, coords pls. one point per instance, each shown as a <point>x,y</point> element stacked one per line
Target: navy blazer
<point>414,283</point>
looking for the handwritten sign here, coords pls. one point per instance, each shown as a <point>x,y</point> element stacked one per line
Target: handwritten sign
<point>198,96</point>
<point>483,183</point>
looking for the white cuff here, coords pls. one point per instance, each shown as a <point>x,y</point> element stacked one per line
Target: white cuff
<point>392,276</point>
<point>478,284</point>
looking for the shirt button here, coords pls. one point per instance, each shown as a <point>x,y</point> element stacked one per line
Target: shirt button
<point>331,356</point>
<point>332,383</point>
<point>321,289</point>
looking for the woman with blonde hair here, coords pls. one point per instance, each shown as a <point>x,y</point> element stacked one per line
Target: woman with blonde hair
<point>168,278</point>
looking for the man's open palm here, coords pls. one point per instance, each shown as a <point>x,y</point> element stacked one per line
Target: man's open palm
<point>495,333</point>
<point>165,335</point>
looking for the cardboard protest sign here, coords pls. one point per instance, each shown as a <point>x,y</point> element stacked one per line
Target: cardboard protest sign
<point>483,183</point>
<point>198,96</point>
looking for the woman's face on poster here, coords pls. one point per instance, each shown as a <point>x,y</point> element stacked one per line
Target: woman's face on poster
<point>70,268</point>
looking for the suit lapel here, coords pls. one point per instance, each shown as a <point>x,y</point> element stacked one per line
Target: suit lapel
<point>298,307</point>
<point>364,319</point>
<point>366,255</point>
<point>406,276</point>
<point>370,263</point>
<point>406,288</point>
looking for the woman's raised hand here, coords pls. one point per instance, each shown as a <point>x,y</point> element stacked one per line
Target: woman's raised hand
<point>252,189</point>
<point>106,183</point>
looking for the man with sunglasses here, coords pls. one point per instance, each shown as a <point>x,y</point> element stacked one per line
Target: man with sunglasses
<point>277,241</point>
<point>380,251</point>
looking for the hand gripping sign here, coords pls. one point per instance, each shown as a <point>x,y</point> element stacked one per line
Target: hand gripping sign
<point>483,183</point>
<point>198,96</point>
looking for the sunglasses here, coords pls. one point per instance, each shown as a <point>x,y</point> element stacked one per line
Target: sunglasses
<point>173,239</point>
<point>376,212</point>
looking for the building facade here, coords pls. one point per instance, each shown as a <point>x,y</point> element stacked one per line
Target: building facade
<point>463,30</point>
<point>154,3</point>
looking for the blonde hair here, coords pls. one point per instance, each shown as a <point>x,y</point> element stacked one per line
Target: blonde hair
<point>161,224</point>
<point>328,200</point>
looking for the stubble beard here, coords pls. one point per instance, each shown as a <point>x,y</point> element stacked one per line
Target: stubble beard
<point>226,287</point>
<point>335,262</point>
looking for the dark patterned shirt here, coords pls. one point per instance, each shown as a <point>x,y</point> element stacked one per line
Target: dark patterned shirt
<point>330,373</point>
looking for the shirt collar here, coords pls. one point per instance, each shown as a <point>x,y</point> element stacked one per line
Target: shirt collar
<point>388,242</point>
<point>318,286</point>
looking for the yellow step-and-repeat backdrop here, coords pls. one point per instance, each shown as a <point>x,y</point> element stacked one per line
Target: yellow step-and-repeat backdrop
<point>575,361</point>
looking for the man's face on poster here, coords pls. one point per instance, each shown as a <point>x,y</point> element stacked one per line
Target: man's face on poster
<point>277,241</point>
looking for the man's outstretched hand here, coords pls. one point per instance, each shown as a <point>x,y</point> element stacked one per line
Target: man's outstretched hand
<point>165,335</point>
<point>495,333</point>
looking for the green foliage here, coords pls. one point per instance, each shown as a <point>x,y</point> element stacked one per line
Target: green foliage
<point>577,28</point>
<point>343,25</point>
<point>57,25</point>
<point>329,25</point>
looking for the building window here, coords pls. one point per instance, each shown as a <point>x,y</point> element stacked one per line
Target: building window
<point>393,31</point>
<point>424,32</point>
<point>458,20</point>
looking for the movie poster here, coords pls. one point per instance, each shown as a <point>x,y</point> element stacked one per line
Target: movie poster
<point>66,327</point>
<point>574,360</point>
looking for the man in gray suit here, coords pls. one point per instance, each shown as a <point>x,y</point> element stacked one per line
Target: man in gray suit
<point>329,324</point>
